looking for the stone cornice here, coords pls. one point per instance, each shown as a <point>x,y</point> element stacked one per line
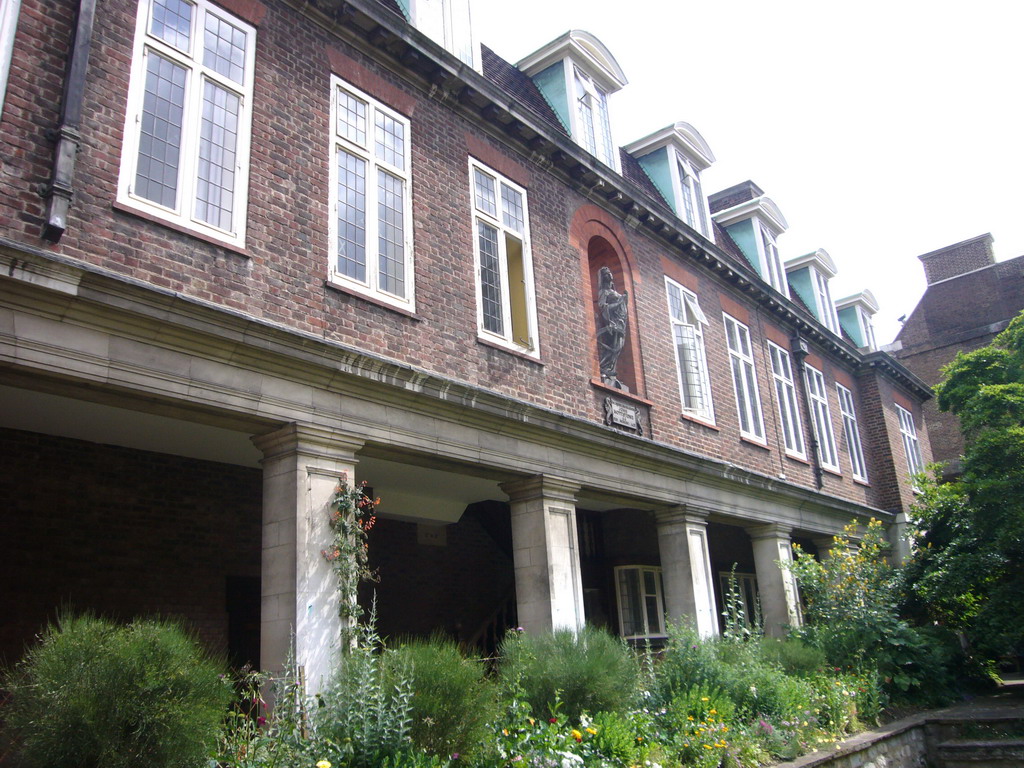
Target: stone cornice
<point>892,369</point>
<point>127,305</point>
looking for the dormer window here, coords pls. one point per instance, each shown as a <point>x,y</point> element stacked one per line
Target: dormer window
<point>673,158</point>
<point>809,276</point>
<point>773,263</point>
<point>694,207</point>
<point>754,221</point>
<point>825,305</point>
<point>855,317</point>
<point>577,74</point>
<point>592,113</point>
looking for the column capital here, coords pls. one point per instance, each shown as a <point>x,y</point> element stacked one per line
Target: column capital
<point>296,439</point>
<point>541,486</point>
<point>680,514</point>
<point>770,531</point>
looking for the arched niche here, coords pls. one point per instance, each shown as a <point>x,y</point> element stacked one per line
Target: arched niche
<point>600,241</point>
<point>601,254</point>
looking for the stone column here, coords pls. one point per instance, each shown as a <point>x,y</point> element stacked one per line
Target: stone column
<point>302,465</point>
<point>686,568</point>
<point>899,538</point>
<point>825,545</point>
<point>775,585</point>
<point>545,552</point>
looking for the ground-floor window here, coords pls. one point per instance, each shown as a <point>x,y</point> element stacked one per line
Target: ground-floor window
<point>641,602</point>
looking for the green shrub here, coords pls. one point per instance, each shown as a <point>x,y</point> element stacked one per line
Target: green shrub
<point>687,661</point>
<point>451,704</point>
<point>588,671</point>
<point>94,693</point>
<point>762,690</point>
<point>792,655</point>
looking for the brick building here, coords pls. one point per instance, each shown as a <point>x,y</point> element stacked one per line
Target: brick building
<point>339,237</point>
<point>969,299</point>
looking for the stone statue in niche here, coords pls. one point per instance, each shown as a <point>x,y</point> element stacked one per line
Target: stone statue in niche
<point>611,330</point>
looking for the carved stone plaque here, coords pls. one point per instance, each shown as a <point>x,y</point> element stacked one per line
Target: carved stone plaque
<point>623,415</point>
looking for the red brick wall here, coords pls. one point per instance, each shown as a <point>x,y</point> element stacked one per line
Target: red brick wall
<point>883,443</point>
<point>425,588</point>
<point>281,276</point>
<point>122,533</point>
<point>958,259</point>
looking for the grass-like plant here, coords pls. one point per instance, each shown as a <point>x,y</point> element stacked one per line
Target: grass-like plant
<point>365,714</point>
<point>586,671</point>
<point>452,705</point>
<point>95,693</point>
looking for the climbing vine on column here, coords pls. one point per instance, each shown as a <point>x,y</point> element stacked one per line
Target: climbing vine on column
<point>352,517</point>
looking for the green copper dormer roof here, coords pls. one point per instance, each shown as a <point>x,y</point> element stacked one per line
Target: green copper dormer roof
<point>657,153</point>
<point>808,276</point>
<point>743,221</point>
<point>855,313</point>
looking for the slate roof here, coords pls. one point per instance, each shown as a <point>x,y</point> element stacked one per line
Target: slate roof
<point>634,173</point>
<point>520,87</point>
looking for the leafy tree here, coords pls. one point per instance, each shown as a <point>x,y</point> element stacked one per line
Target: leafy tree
<point>968,569</point>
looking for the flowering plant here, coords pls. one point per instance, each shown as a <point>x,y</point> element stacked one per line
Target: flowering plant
<point>353,515</point>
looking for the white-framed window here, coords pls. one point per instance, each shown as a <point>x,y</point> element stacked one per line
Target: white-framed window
<point>821,419</point>
<point>744,379</point>
<point>785,394</point>
<point>185,157</point>
<point>506,310</point>
<point>774,272</point>
<point>688,338</point>
<point>911,445</point>
<point>370,197</point>
<point>691,195</point>
<point>826,308</point>
<point>641,602</point>
<point>852,432</point>
<point>8,26</point>
<point>868,329</point>
<point>595,132</point>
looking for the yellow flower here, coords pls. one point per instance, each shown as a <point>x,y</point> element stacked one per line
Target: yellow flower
<point>704,698</point>
<point>708,746</point>
<point>577,735</point>
<point>504,731</point>
<point>689,717</point>
<point>713,712</point>
<point>324,764</point>
<point>592,731</point>
<point>531,721</point>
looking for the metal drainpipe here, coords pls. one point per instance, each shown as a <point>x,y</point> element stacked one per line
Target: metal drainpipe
<point>67,134</point>
<point>800,352</point>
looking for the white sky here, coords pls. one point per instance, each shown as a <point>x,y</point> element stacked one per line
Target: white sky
<point>882,130</point>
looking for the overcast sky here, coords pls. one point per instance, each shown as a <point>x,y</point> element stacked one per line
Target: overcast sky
<point>882,130</point>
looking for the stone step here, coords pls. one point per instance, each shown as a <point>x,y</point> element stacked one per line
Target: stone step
<point>989,753</point>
